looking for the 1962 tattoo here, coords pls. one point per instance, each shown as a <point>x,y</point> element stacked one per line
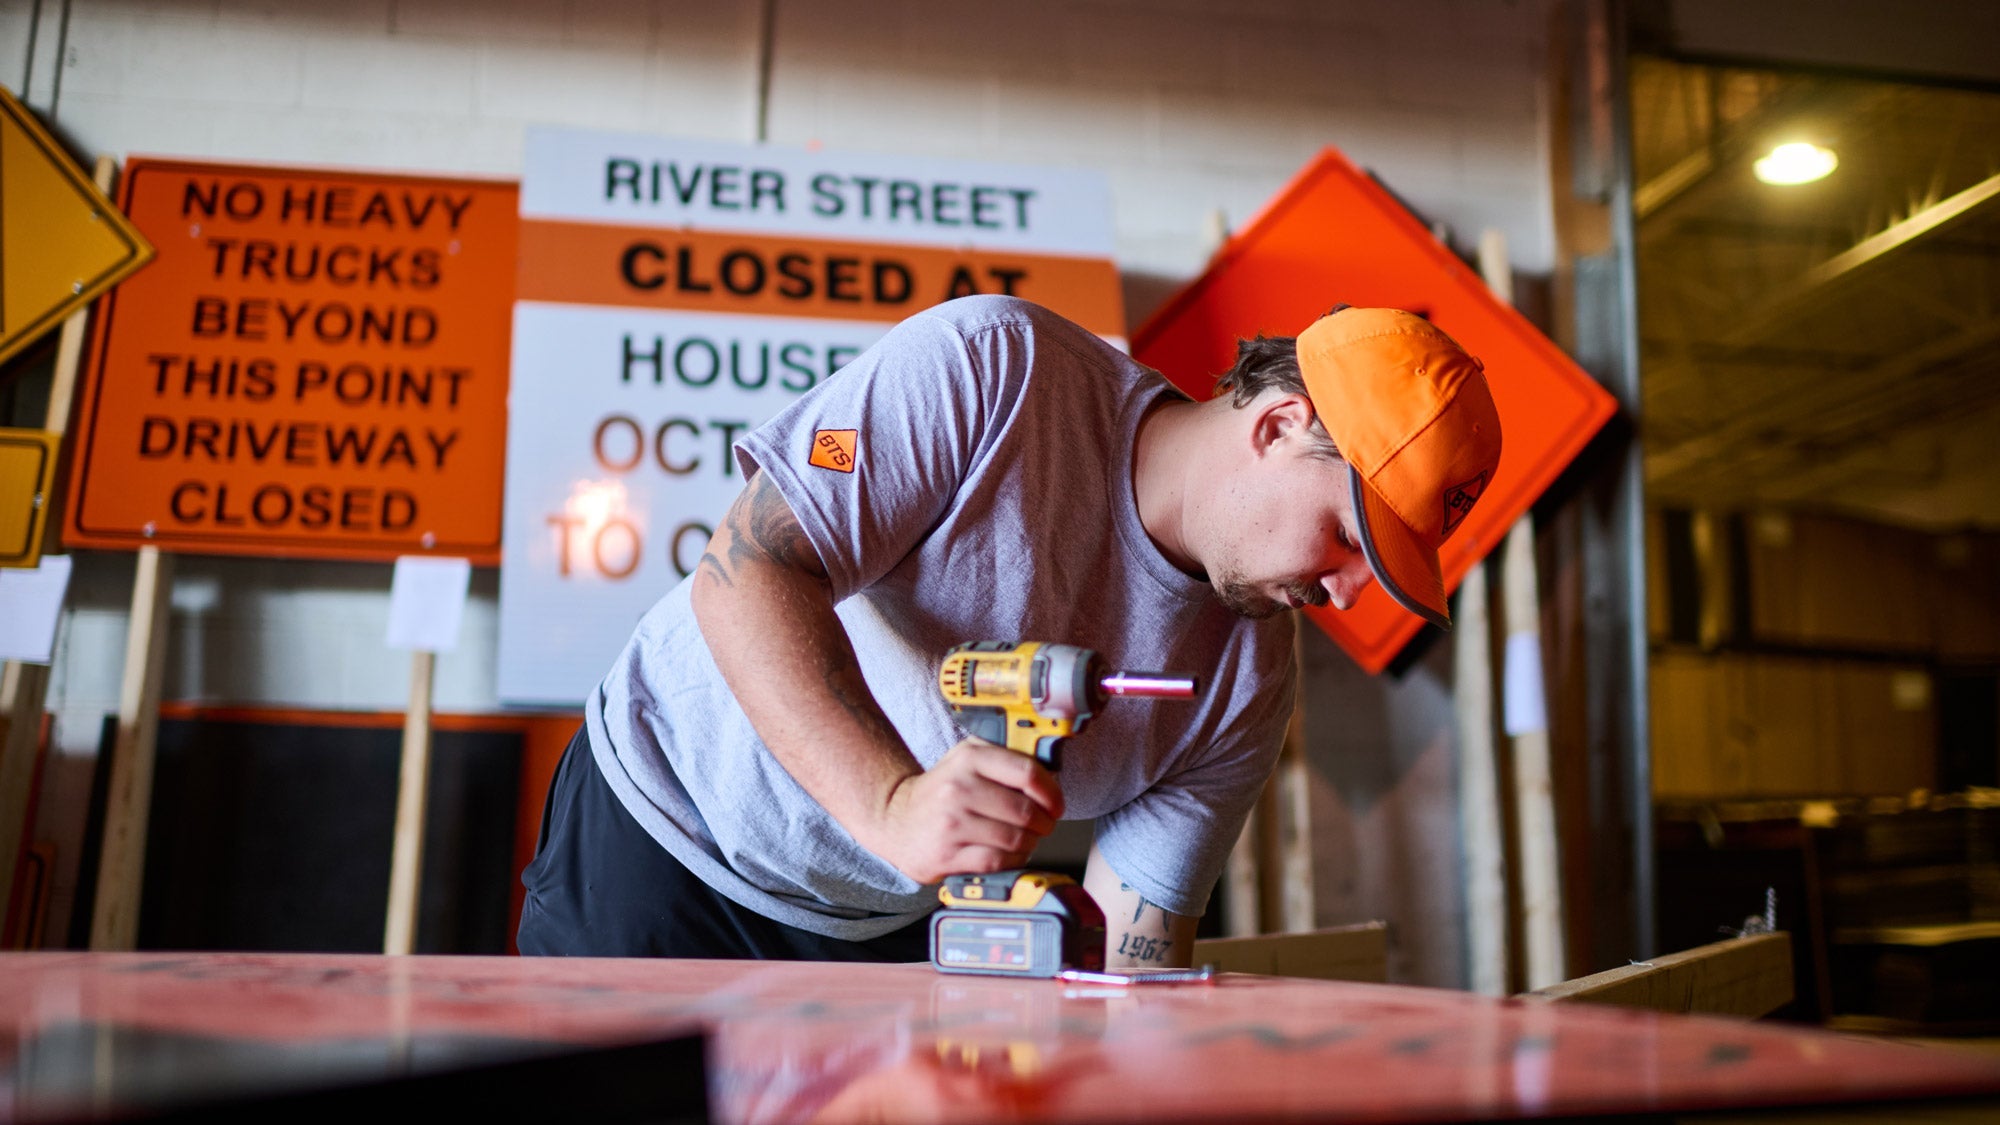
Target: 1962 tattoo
<point>1145,948</point>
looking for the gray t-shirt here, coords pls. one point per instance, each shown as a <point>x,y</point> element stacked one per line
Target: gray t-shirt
<point>988,497</point>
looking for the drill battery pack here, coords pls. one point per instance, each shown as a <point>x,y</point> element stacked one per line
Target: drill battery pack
<point>1016,924</point>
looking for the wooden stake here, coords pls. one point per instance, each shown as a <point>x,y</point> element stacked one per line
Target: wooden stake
<point>25,687</point>
<point>1534,803</point>
<point>1479,791</point>
<point>1534,791</point>
<point>1243,891</point>
<point>407,859</point>
<point>121,868</point>
<point>1294,843</point>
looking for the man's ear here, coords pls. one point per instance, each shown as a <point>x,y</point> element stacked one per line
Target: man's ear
<point>1282,421</point>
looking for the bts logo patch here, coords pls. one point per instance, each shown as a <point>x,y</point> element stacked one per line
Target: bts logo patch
<point>834,449</point>
<point>1459,499</point>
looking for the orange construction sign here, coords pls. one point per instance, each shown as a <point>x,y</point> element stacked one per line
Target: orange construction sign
<point>315,366</point>
<point>1334,235</point>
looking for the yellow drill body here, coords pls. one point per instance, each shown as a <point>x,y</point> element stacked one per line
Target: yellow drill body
<point>1001,692</point>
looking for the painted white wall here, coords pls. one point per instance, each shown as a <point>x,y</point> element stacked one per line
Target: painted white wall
<point>1188,106</point>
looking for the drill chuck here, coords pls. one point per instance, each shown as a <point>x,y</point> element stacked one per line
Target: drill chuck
<point>1157,685</point>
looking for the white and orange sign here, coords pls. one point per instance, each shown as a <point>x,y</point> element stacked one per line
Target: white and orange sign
<point>673,295</point>
<point>314,366</point>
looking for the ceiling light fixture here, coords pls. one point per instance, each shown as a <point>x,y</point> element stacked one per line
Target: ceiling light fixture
<point>1797,162</point>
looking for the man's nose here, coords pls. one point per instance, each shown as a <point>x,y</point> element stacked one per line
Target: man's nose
<point>1344,586</point>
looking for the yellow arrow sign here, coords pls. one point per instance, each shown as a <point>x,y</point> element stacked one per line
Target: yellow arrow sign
<point>61,241</point>
<point>27,466</point>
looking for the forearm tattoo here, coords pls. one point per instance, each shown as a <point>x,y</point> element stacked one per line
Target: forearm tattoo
<point>761,528</point>
<point>1141,947</point>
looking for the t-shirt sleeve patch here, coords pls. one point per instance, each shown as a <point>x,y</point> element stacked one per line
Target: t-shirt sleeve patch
<point>835,449</point>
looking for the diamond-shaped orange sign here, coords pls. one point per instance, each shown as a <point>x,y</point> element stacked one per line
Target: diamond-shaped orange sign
<point>1334,235</point>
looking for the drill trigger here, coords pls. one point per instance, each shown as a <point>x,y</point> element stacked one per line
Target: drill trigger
<point>1048,751</point>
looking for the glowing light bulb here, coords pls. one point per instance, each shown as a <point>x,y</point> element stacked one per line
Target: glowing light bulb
<point>1797,162</point>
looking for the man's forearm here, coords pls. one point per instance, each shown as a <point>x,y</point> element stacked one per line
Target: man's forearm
<point>764,606</point>
<point>1138,934</point>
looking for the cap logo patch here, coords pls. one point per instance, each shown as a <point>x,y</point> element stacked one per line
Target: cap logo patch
<point>1459,499</point>
<point>834,449</point>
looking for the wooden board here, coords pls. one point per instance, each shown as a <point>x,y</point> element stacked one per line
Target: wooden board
<point>833,1043</point>
<point>1840,583</point>
<point>1749,976</point>
<point>1358,952</point>
<point>1748,725</point>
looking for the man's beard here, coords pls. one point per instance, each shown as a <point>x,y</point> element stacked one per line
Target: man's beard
<point>1246,600</point>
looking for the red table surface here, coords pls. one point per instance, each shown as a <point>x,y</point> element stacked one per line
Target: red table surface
<point>822,1042</point>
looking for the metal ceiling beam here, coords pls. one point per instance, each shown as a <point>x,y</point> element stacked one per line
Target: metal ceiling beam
<point>1931,219</point>
<point>1845,267</point>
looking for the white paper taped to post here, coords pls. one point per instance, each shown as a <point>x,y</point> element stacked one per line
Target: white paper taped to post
<point>1521,688</point>
<point>427,602</point>
<point>30,606</point>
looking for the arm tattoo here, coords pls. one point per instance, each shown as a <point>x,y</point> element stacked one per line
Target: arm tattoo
<point>762,528</point>
<point>1145,949</point>
<point>844,682</point>
<point>1143,904</point>
<point>712,566</point>
<point>762,524</point>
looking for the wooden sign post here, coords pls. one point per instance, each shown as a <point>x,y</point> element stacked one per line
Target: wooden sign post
<point>121,867</point>
<point>406,859</point>
<point>426,607</point>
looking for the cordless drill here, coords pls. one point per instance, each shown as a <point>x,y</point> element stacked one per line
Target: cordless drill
<point>1029,697</point>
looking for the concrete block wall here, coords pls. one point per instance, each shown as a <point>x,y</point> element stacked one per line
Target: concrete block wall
<point>1188,106</point>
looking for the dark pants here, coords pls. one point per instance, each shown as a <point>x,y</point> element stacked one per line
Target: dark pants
<point>601,887</point>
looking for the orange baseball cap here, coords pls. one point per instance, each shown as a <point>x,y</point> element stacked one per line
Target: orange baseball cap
<point>1413,417</point>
